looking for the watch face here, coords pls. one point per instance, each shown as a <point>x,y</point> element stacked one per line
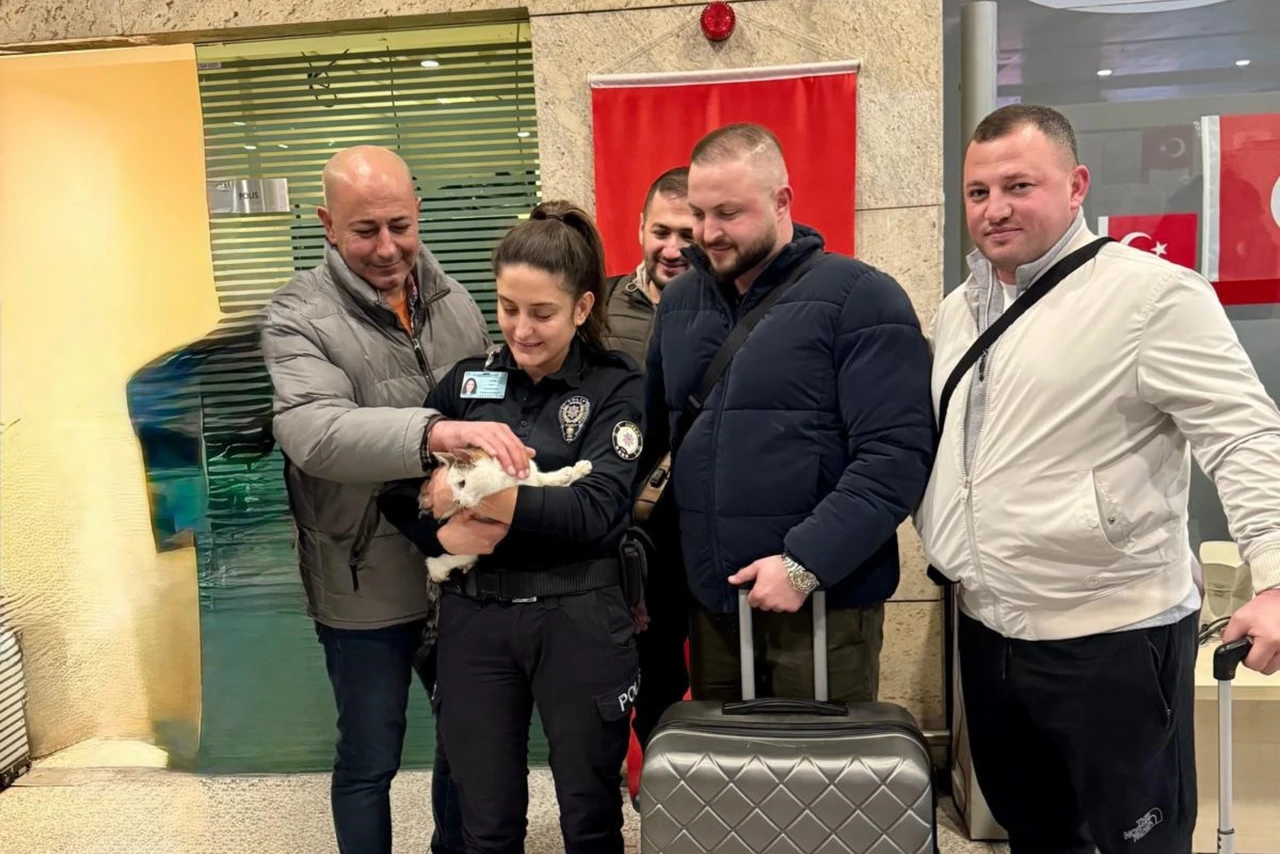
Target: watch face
<point>801,579</point>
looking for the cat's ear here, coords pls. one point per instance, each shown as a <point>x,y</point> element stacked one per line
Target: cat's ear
<point>468,456</point>
<point>444,458</point>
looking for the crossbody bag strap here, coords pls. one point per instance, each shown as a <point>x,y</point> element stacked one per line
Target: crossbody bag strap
<point>720,362</point>
<point>1021,305</point>
<point>656,481</point>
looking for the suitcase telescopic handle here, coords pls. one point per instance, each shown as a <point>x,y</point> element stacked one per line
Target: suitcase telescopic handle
<point>819,705</point>
<point>1226,659</point>
<point>1229,656</point>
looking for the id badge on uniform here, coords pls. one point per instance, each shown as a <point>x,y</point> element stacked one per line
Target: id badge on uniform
<point>484,385</point>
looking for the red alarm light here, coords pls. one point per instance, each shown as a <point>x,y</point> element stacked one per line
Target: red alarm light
<point>718,21</point>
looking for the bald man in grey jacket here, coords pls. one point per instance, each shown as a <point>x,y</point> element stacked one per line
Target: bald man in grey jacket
<point>353,347</point>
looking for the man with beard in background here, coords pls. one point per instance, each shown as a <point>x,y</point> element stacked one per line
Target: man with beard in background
<point>666,230</point>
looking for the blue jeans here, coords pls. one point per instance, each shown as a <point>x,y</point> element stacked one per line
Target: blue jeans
<point>371,671</point>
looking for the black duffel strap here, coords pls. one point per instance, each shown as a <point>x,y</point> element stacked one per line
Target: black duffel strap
<point>514,585</point>
<point>729,348</point>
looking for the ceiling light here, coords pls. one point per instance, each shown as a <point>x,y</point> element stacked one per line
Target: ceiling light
<point>1122,7</point>
<point>522,133</point>
<point>464,99</point>
<point>251,148</point>
<point>282,145</point>
<point>1104,72</point>
<point>430,63</point>
<point>238,124</point>
<point>1241,63</point>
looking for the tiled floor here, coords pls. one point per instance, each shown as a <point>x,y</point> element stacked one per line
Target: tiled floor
<point>77,803</point>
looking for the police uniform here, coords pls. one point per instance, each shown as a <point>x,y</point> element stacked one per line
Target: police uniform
<point>543,620</point>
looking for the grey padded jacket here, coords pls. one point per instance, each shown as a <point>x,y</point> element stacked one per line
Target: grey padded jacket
<point>349,387</point>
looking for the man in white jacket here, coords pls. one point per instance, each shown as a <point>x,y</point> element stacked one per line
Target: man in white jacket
<point>1058,502</point>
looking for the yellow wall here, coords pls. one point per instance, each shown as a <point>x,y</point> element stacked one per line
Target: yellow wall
<point>105,264</point>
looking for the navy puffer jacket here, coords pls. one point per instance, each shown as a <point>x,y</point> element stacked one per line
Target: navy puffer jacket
<point>819,438</point>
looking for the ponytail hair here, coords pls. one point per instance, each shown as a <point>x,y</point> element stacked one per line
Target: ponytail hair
<point>559,238</point>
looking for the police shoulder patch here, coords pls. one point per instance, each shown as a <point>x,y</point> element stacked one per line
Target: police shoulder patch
<point>627,441</point>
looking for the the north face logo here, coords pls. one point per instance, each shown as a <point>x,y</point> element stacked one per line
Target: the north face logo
<point>1144,826</point>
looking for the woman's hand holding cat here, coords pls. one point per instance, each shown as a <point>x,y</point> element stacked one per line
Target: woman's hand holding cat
<point>501,506</point>
<point>436,495</point>
<point>466,534</point>
<point>493,438</point>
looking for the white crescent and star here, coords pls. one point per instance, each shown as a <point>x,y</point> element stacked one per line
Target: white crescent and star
<point>1160,249</point>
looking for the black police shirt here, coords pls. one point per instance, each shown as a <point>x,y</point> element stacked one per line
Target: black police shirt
<point>590,409</point>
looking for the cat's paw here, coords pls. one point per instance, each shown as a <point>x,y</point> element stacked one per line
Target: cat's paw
<point>581,468</point>
<point>438,570</point>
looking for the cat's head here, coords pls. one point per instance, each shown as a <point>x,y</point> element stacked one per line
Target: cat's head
<point>469,473</point>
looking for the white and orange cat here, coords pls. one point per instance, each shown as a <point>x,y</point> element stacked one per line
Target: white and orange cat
<point>473,476</point>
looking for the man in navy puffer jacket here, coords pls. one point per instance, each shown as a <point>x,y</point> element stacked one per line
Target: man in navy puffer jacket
<point>813,448</point>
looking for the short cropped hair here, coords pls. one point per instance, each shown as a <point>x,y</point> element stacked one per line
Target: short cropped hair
<point>674,183</point>
<point>733,141</point>
<point>1014,117</point>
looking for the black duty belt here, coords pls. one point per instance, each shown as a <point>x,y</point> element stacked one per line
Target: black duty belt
<point>516,586</point>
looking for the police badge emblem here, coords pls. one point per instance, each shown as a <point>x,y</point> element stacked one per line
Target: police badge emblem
<point>627,442</point>
<point>573,414</point>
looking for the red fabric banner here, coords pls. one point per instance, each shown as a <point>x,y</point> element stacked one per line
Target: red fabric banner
<point>1168,236</point>
<point>646,125</point>
<point>1242,206</point>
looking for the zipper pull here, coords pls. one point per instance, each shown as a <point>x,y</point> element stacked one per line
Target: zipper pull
<point>982,367</point>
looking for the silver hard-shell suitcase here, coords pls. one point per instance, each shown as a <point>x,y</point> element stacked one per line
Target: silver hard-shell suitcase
<point>15,752</point>
<point>787,775</point>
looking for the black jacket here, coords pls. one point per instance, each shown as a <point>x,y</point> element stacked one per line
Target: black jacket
<point>818,439</point>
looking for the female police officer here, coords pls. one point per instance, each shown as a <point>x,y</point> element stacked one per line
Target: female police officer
<point>543,619</point>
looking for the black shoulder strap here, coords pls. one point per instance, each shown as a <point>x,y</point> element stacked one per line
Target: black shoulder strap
<point>1055,274</point>
<point>612,285</point>
<point>720,362</point>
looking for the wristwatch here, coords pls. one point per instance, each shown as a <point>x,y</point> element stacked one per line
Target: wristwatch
<point>802,579</point>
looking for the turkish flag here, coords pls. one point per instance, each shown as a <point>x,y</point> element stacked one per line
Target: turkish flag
<point>1242,206</point>
<point>1169,236</point>
<point>1167,147</point>
<point>645,124</point>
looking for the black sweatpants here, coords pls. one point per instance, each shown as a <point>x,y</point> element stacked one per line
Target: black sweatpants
<point>1085,742</point>
<point>575,656</point>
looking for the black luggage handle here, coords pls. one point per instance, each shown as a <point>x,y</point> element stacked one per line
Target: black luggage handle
<point>1226,659</point>
<point>785,706</point>
<point>1229,656</point>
